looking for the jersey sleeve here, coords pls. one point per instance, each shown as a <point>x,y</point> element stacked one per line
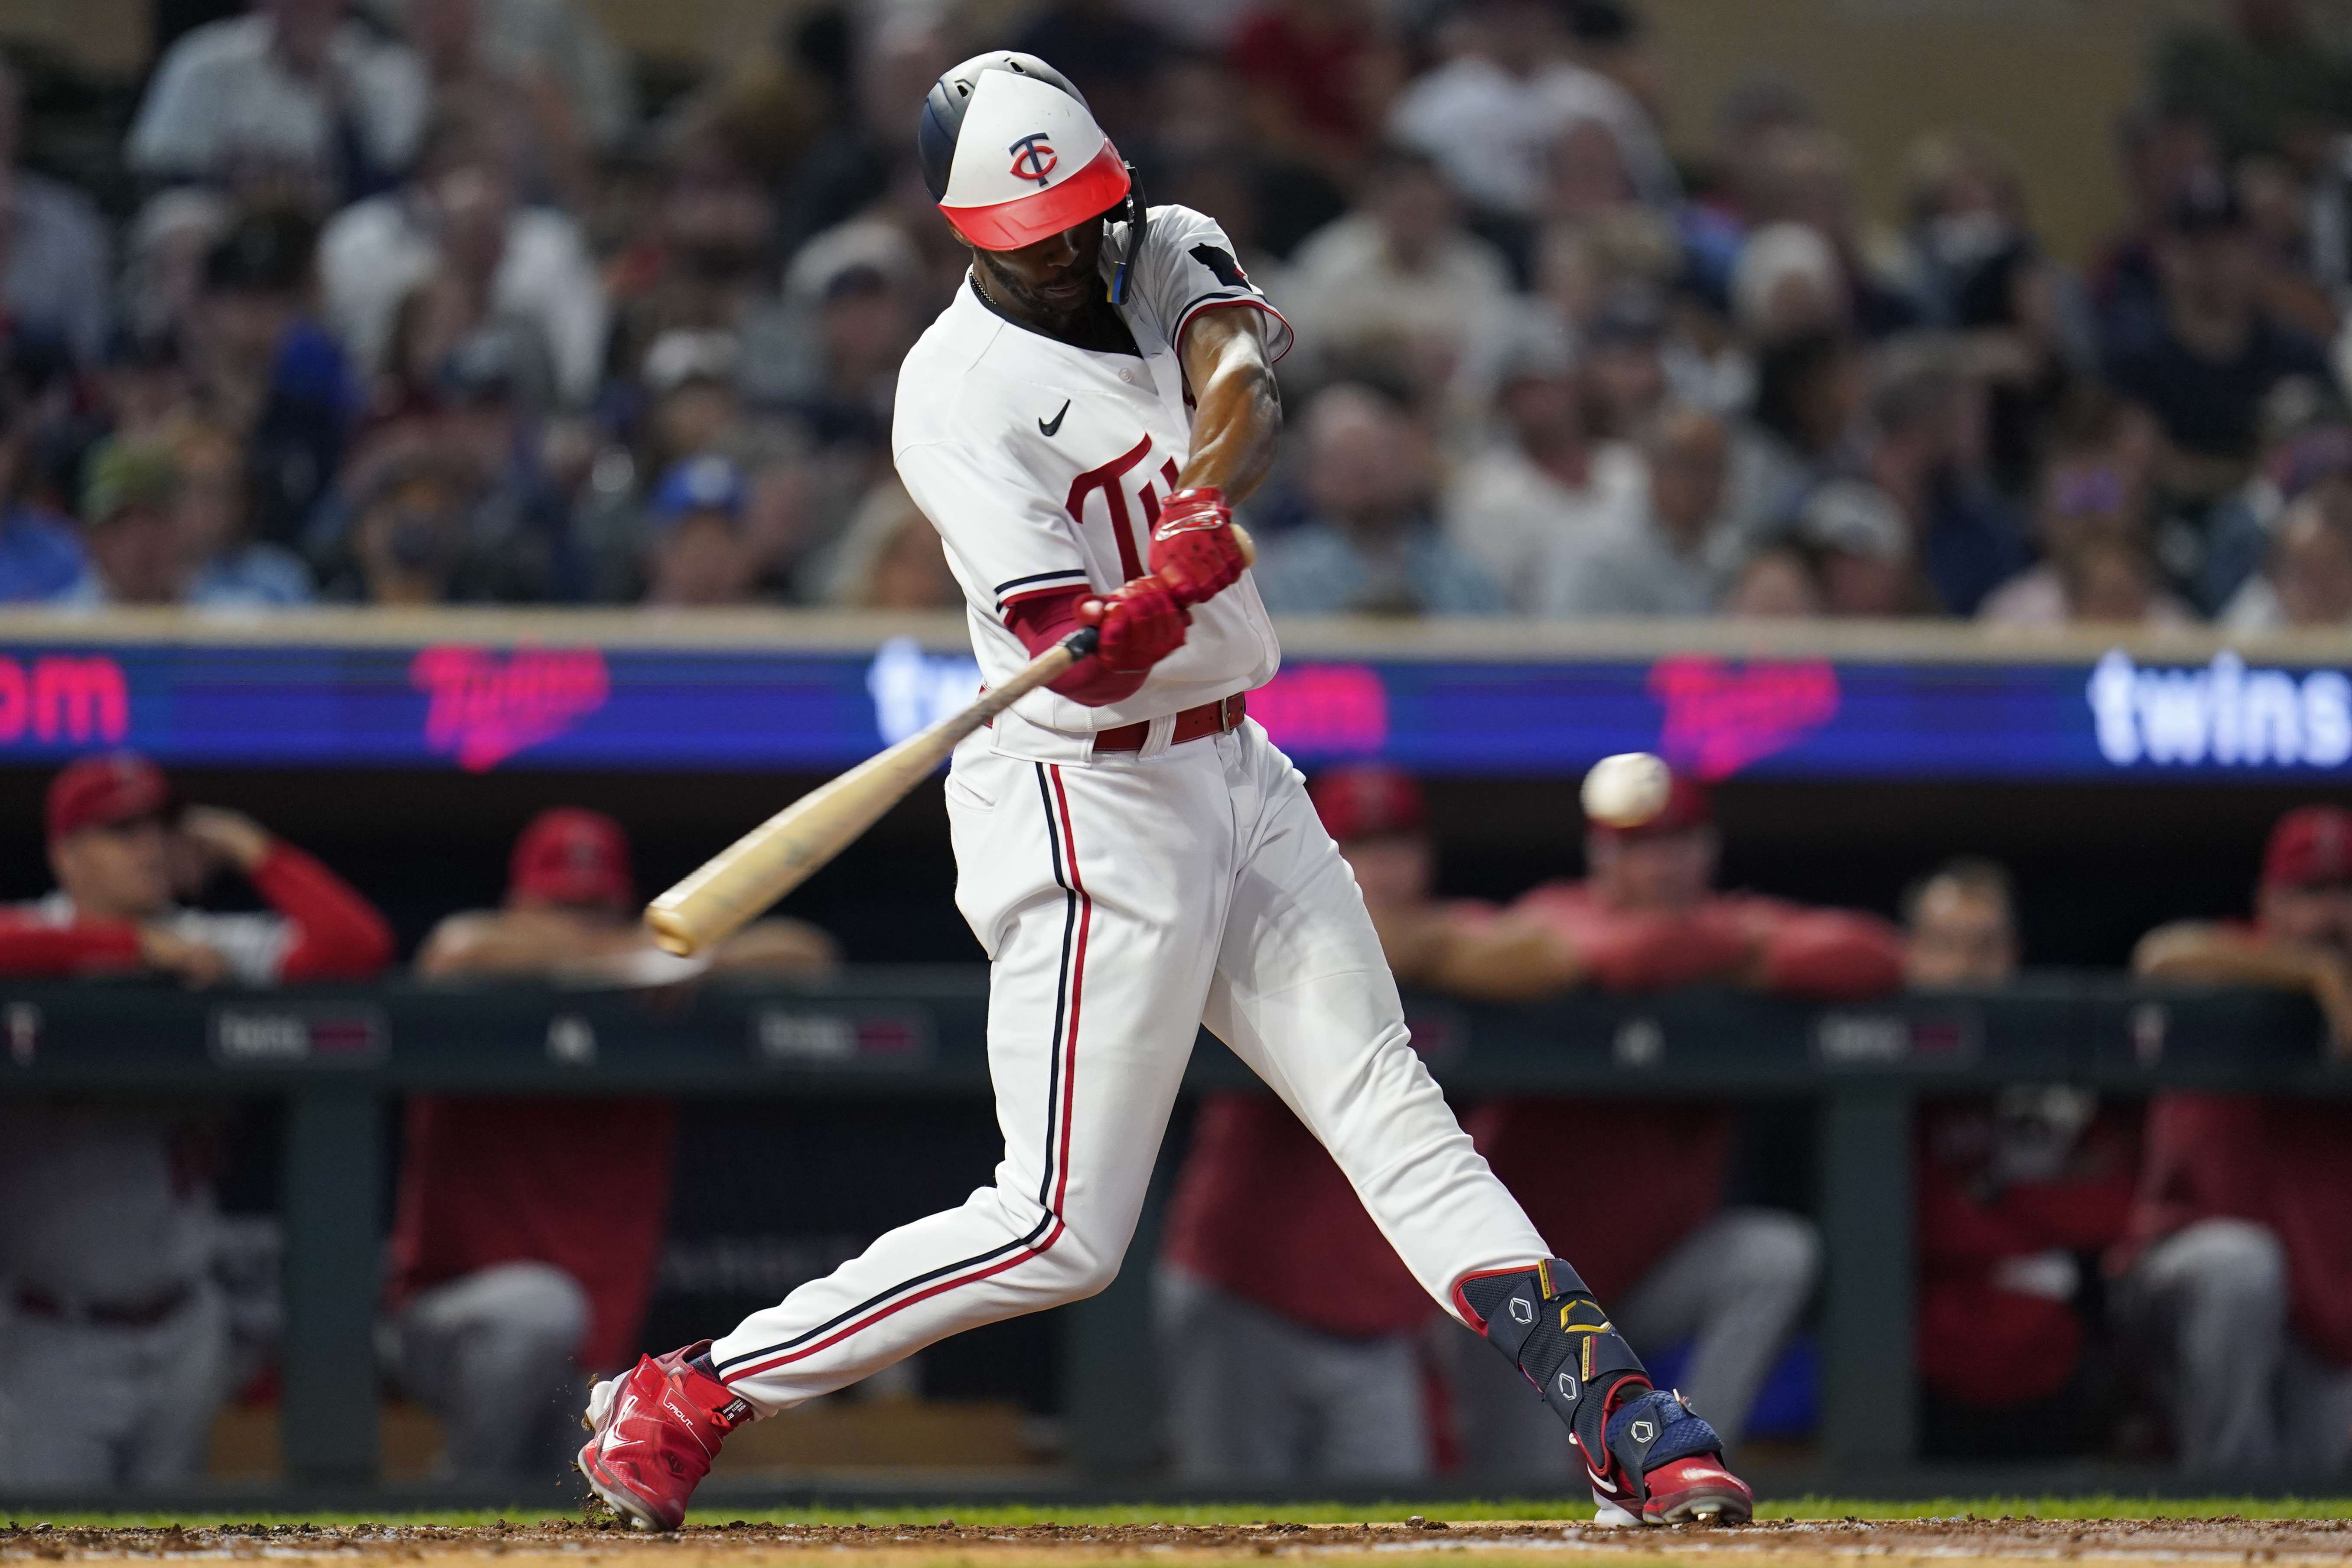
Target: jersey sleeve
<point>1006,538</point>
<point>1188,266</point>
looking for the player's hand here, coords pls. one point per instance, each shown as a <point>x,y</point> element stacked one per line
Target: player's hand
<point>196,965</point>
<point>225,837</point>
<point>1142,623</point>
<point>1195,548</point>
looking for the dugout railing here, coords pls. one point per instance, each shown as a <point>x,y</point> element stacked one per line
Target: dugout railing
<point>341,1059</point>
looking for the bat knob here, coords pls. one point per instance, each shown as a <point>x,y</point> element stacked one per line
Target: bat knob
<point>1248,545</point>
<point>670,933</point>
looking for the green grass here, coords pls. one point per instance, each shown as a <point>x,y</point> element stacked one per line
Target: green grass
<point>1303,1512</point>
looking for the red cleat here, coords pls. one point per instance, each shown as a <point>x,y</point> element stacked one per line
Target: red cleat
<point>655,1431</point>
<point>1683,1490</point>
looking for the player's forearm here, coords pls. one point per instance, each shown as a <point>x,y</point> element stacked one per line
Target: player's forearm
<point>2193,951</point>
<point>1237,408</point>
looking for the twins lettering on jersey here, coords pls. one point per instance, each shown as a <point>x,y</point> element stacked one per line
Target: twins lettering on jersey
<point>1130,522</point>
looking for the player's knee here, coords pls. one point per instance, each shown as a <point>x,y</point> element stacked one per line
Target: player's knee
<point>2236,1260</point>
<point>538,1305</point>
<point>1778,1252</point>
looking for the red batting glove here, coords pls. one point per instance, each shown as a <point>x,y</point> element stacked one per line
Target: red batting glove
<point>1142,622</point>
<point>1193,548</point>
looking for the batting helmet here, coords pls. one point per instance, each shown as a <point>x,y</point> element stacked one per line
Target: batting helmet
<point>1012,155</point>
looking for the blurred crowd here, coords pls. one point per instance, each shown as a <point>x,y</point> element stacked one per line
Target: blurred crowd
<point>2097,1275</point>
<point>420,304</point>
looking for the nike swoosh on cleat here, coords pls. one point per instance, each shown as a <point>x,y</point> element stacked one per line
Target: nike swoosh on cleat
<point>1055,428</point>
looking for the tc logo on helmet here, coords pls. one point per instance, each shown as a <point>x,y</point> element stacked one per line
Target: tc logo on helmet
<point>1034,158</point>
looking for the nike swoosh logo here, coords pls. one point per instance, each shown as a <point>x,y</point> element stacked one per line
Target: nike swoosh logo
<point>1055,428</point>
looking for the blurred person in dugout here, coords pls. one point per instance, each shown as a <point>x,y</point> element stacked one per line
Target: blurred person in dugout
<point>2237,1285</point>
<point>115,1339</point>
<point>1682,1266</point>
<point>525,1232</point>
<point>2020,1195</point>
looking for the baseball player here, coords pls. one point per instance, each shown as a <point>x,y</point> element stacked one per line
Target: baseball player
<point>1136,857</point>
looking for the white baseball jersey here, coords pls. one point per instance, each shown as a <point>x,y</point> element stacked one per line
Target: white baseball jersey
<point>1043,466</point>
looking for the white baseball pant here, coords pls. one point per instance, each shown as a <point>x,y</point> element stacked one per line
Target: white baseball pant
<point>1123,903</point>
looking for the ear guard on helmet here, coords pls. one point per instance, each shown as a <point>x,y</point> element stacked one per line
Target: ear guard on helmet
<point>1130,211</point>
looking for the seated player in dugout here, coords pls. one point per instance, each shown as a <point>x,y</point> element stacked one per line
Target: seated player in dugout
<point>1136,856</point>
<point>2236,1284</point>
<point>1680,1266</point>
<point>115,1333</point>
<point>525,1232</point>
<point>2020,1195</point>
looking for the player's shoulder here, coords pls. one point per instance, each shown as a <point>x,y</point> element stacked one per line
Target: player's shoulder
<point>962,378</point>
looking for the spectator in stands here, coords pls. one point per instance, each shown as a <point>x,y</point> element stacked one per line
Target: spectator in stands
<point>1543,485</point>
<point>553,160</point>
<point>1776,582</point>
<point>1113,53</point>
<point>457,231</point>
<point>705,257</point>
<point>407,541</point>
<point>293,101</point>
<point>220,566</point>
<point>1805,176</point>
<point>1973,266</point>
<point>2306,578</point>
<point>1858,549</point>
<point>1318,78</point>
<point>2160,155</point>
<point>1680,1265</point>
<point>699,555</point>
<point>163,274</point>
<point>116,1354</point>
<point>1809,393</point>
<point>1399,277</point>
<point>1627,382</point>
<point>889,558</point>
<point>40,554</point>
<point>553,53</point>
<point>1370,545</point>
<point>2267,81</point>
<point>1927,456</point>
<point>2203,359</point>
<point>525,1232</point>
<point>2097,563</point>
<point>1490,112</point>
<point>54,266</point>
<point>1671,555</point>
<point>2238,1283</point>
<point>143,388</point>
<point>129,502</point>
<point>266,369</point>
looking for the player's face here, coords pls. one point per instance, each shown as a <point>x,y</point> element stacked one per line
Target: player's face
<point>1667,872</point>
<point>119,871</point>
<point>1053,280</point>
<point>1959,937</point>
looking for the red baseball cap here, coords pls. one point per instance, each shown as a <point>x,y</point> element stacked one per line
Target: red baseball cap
<point>1367,799</point>
<point>1686,807</point>
<point>2311,846</point>
<point>99,791</point>
<point>568,855</point>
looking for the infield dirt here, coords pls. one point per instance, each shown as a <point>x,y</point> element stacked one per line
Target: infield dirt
<point>565,1544</point>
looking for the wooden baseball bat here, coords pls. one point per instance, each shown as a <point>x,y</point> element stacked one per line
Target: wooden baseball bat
<point>737,884</point>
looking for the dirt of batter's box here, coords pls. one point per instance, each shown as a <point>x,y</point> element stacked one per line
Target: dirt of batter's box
<point>559,1543</point>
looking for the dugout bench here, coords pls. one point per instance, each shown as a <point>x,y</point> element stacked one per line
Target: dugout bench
<point>340,1058</point>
